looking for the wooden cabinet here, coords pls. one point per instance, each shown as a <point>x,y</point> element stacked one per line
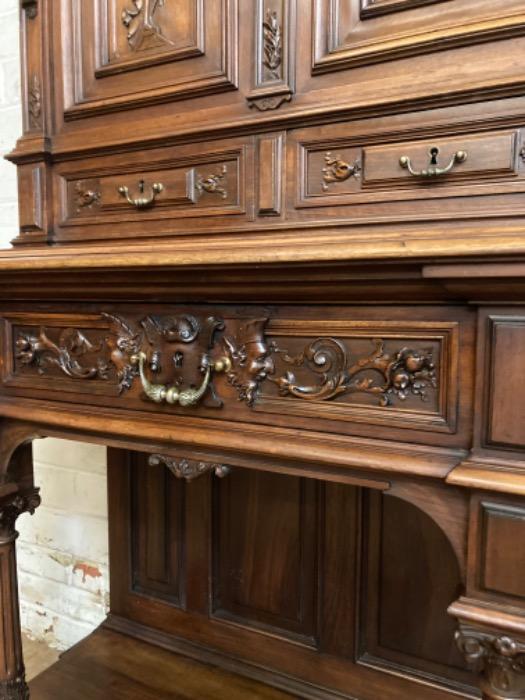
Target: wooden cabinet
<point>271,254</point>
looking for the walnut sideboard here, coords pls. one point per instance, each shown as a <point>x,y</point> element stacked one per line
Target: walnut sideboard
<point>272,254</point>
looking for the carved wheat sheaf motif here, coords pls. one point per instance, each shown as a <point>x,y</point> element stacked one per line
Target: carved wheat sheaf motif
<point>144,29</point>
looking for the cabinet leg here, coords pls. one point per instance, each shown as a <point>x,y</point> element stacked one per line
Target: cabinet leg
<point>500,661</point>
<point>12,673</point>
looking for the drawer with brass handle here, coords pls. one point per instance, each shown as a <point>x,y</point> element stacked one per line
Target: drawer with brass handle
<point>177,189</point>
<point>448,176</point>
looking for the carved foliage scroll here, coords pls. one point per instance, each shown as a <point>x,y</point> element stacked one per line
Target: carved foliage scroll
<point>274,54</point>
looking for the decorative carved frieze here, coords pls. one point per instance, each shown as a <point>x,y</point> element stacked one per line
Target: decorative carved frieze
<point>143,25</point>
<point>274,56</point>
<point>158,349</point>
<point>501,660</point>
<point>406,372</point>
<point>188,469</point>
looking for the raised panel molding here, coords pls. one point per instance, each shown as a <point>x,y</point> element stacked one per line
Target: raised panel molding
<point>274,61</point>
<point>339,43</point>
<point>374,8</point>
<point>148,52</point>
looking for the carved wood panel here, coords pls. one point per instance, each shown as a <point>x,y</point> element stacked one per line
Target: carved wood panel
<point>360,32</point>
<point>130,52</point>
<point>350,371</point>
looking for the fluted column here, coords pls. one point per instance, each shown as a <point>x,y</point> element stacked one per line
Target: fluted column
<point>12,672</point>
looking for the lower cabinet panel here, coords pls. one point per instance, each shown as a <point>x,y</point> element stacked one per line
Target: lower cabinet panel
<point>284,572</point>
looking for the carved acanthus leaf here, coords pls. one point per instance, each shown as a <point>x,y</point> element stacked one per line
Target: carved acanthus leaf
<point>338,170</point>
<point>272,44</point>
<point>188,469</point>
<point>34,99</point>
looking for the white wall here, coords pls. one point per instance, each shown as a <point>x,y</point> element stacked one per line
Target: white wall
<point>63,549</point>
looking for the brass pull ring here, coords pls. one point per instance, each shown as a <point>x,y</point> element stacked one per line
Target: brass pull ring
<point>142,202</point>
<point>160,393</point>
<point>433,169</point>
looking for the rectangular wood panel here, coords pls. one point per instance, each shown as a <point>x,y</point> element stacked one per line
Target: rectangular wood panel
<point>502,549</point>
<point>265,552</point>
<point>505,381</point>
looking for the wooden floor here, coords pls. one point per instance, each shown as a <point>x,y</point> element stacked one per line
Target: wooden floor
<point>111,666</point>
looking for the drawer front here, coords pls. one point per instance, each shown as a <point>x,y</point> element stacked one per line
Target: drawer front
<point>346,370</point>
<point>446,176</point>
<point>131,191</point>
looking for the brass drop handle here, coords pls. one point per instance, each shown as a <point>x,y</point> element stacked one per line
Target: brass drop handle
<point>433,169</point>
<point>160,393</point>
<point>142,202</point>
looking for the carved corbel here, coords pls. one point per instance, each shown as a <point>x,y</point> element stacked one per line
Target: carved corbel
<point>500,659</point>
<point>188,469</point>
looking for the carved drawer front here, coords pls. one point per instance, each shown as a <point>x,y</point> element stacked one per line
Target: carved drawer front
<point>126,53</point>
<point>449,176</point>
<point>351,372</point>
<point>205,181</point>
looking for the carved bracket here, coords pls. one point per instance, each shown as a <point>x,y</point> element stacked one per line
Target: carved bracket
<point>10,510</point>
<point>188,469</point>
<point>500,659</point>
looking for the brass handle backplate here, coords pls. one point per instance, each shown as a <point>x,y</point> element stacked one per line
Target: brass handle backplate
<point>433,169</point>
<point>142,202</point>
<point>161,393</point>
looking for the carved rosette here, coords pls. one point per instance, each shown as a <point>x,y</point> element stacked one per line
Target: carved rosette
<point>500,659</point>
<point>188,469</point>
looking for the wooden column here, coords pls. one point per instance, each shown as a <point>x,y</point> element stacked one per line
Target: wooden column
<point>12,673</point>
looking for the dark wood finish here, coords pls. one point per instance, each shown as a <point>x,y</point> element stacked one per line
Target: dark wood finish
<point>112,665</point>
<point>286,286</point>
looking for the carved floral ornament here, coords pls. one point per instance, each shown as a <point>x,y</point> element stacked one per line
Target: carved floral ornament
<point>326,365</point>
